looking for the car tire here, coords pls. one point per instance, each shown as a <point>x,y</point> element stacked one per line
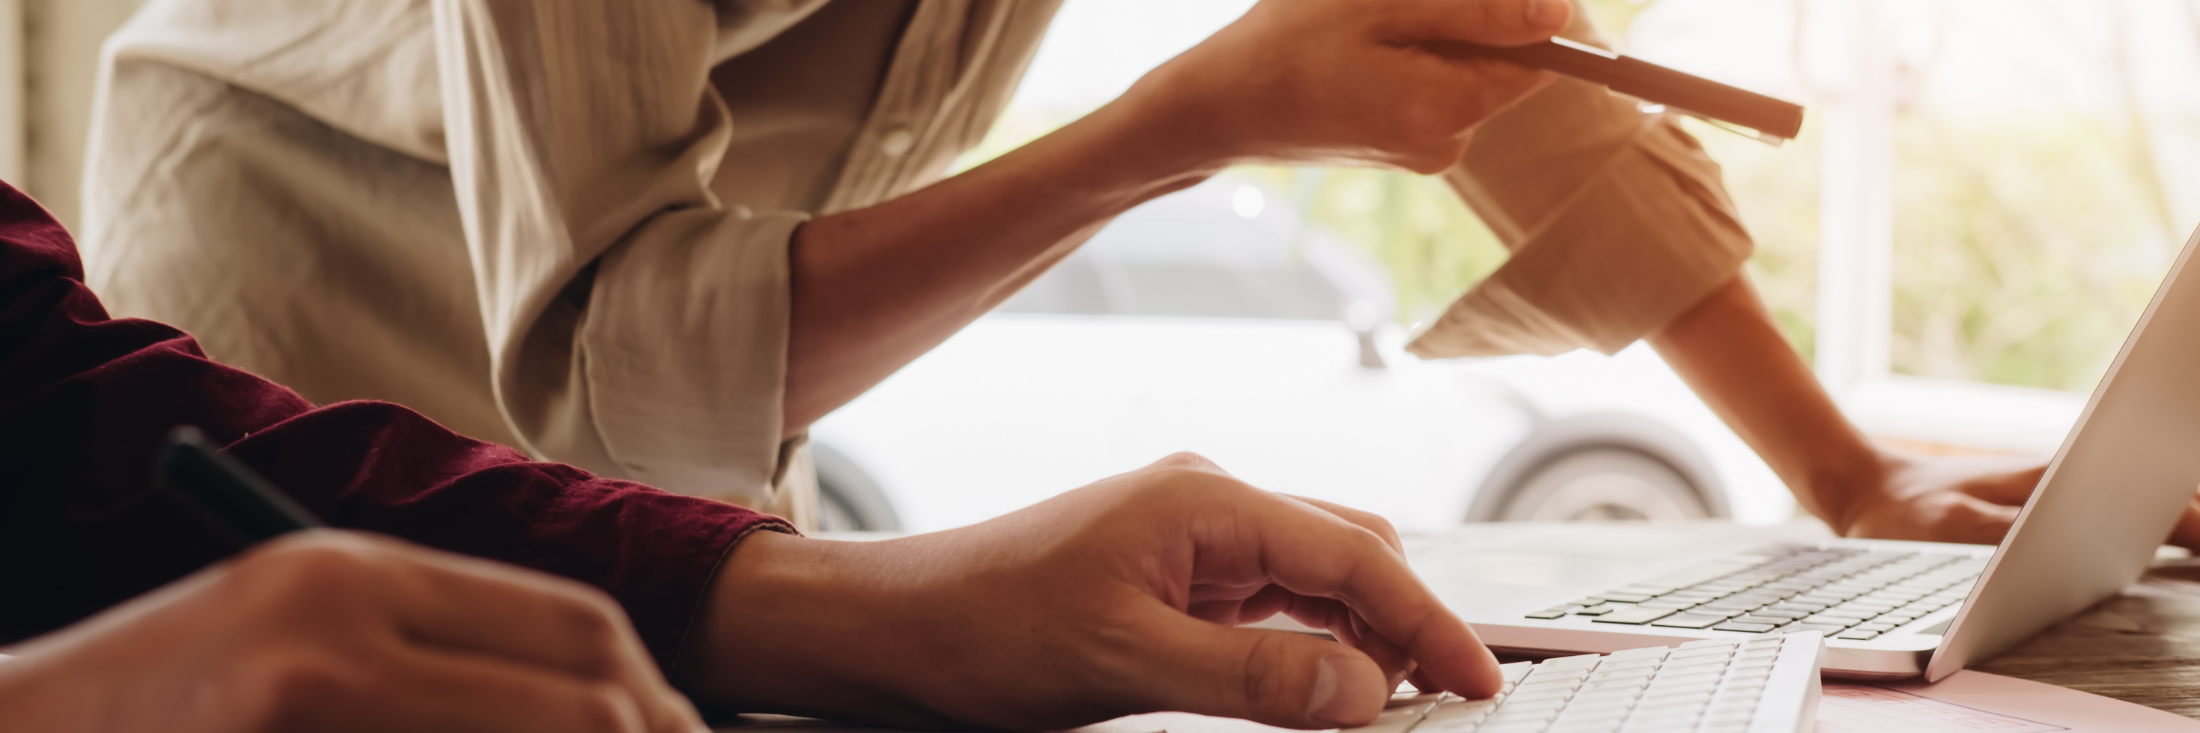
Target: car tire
<point>849,500</point>
<point>1600,467</point>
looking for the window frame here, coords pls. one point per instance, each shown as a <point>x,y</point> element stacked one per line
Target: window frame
<point>1854,319</point>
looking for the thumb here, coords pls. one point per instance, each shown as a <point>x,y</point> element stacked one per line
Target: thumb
<point>2186,533</point>
<point>1492,22</point>
<point>1274,677</point>
<point>2011,488</point>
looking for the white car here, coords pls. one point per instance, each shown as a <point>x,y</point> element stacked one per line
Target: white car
<point>1201,323</point>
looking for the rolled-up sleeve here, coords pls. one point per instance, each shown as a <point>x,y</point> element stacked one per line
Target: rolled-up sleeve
<point>637,327</point>
<point>1616,220</point>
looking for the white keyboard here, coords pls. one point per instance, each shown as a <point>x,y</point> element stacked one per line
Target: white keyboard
<point>1760,685</point>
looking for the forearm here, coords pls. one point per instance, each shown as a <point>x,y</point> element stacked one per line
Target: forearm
<point>783,616</point>
<point>34,696</point>
<point>1288,83</point>
<point>1727,348</point>
<point>875,288</point>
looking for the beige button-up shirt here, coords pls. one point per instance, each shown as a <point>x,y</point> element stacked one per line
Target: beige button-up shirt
<point>564,226</point>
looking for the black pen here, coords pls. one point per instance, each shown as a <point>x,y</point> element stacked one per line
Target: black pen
<point>1774,120</point>
<point>225,495</point>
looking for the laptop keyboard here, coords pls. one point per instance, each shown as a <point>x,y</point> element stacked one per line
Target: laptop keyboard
<point>1709,686</point>
<point>1842,593</point>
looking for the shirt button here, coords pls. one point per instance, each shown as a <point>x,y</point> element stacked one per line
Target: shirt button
<point>897,141</point>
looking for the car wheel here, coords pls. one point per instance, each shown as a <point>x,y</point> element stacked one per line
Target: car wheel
<point>849,500</point>
<point>1600,467</point>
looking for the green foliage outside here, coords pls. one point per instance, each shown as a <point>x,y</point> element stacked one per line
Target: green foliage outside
<point>2024,249</point>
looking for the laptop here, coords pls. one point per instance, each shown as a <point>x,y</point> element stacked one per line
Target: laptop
<point>1888,610</point>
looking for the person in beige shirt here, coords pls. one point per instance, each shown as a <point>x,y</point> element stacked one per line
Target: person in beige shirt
<point>659,239</point>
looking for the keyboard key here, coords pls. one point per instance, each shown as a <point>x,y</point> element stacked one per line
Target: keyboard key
<point>1858,635</point>
<point>1793,606</point>
<point>1704,685</point>
<point>1750,628</point>
<point>1626,597</point>
<point>1637,616</point>
<point>1690,620</point>
<point>1526,697</point>
<point>1456,715</point>
<point>1762,653</point>
<point>1576,662</point>
<point>1596,610</point>
<point>1404,698</point>
<point>1392,721</point>
<point>1827,629</point>
<point>1656,652</point>
<point>1548,613</point>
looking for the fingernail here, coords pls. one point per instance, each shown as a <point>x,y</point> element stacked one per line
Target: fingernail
<point>1546,13</point>
<point>1347,692</point>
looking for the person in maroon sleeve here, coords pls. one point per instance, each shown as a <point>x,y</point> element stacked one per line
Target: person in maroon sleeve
<point>336,631</point>
<point>1117,598</point>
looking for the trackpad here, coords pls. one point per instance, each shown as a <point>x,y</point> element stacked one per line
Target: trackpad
<point>1519,568</point>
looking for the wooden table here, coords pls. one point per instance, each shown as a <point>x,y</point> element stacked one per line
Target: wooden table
<point>2141,646</point>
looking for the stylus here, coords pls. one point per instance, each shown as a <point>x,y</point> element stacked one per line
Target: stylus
<point>228,497</point>
<point>1775,119</point>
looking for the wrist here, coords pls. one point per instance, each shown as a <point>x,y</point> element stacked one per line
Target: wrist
<point>781,623</point>
<point>1136,148</point>
<point>1841,495</point>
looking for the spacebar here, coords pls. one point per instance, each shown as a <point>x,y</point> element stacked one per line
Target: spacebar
<point>1636,616</point>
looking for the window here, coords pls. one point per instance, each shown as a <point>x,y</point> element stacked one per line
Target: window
<point>1984,199</point>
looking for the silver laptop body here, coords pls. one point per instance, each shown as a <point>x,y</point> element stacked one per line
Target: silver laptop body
<point>2129,465</point>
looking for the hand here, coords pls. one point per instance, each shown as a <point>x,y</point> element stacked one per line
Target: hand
<point>1972,500</point>
<point>1333,82</point>
<point>333,631</point>
<point>1110,600</point>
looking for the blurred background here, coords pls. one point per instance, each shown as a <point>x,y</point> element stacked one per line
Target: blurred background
<point>1982,201</point>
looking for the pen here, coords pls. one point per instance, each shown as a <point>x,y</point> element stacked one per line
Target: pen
<point>1774,120</point>
<point>225,495</point>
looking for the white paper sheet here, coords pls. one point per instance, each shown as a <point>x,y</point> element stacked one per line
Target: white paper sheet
<point>1976,701</point>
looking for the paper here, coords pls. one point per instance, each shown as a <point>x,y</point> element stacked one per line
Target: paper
<point>1976,701</point>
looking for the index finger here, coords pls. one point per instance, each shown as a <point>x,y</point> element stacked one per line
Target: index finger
<point>1494,22</point>
<point>1368,520</point>
<point>1314,553</point>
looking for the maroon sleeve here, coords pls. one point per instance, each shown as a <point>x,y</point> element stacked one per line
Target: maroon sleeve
<point>85,400</point>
